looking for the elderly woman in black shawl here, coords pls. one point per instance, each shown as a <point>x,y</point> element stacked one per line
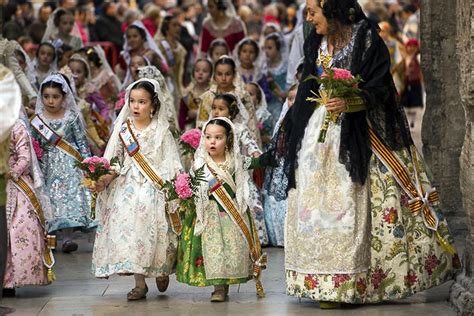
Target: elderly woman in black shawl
<point>363,221</point>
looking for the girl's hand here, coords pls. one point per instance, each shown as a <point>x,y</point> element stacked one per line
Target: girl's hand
<point>336,105</point>
<point>103,182</point>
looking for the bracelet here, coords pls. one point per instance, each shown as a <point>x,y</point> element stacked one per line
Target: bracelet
<point>354,104</point>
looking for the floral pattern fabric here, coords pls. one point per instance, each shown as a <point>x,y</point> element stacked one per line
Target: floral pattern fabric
<point>25,250</point>
<point>134,234</point>
<point>403,255</point>
<point>217,257</point>
<point>69,199</point>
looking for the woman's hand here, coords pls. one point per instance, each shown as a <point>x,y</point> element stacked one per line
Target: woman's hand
<point>336,105</point>
<point>256,154</point>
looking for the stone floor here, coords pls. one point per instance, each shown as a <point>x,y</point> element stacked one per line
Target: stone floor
<point>76,292</point>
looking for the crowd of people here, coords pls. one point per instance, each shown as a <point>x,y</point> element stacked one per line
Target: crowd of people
<point>355,209</point>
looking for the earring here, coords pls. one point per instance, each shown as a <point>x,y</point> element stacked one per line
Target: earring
<point>151,115</point>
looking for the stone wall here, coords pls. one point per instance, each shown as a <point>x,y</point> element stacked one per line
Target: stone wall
<point>462,292</point>
<point>444,120</point>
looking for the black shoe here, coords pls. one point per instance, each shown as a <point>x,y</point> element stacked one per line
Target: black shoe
<point>69,246</point>
<point>9,293</point>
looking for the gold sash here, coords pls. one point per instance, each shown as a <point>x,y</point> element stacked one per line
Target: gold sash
<point>53,138</point>
<point>48,258</point>
<point>223,198</point>
<point>132,147</point>
<point>420,201</point>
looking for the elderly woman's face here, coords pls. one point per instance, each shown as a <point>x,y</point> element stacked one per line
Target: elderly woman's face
<point>314,15</point>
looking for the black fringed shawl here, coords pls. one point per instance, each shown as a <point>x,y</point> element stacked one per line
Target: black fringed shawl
<point>371,60</point>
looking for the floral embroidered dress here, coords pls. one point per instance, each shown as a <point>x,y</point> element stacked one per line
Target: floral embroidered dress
<point>212,249</point>
<point>25,250</point>
<point>134,234</point>
<point>354,243</point>
<point>70,200</point>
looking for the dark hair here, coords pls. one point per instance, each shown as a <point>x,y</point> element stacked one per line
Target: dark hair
<point>19,54</point>
<point>231,102</point>
<point>67,81</point>
<point>225,61</point>
<point>216,43</point>
<point>139,29</point>
<point>204,60</point>
<point>346,11</point>
<point>228,129</point>
<point>251,42</point>
<point>274,37</point>
<point>46,44</point>
<point>221,5</point>
<point>52,84</point>
<point>63,50</point>
<point>165,24</point>
<point>92,56</point>
<point>293,87</point>
<point>150,88</point>
<point>59,13</point>
<point>259,91</point>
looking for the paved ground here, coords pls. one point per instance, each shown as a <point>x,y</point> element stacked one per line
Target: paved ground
<point>76,293</point>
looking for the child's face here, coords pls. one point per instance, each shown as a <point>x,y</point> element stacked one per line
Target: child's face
<point>247,55</point>
<point>411,49</point>
<point>45,55</point>
<point>202,72</point>
<point>291,97</point>
<point>271,50</point>
<point>217,52</point>
<point>79,71</point>
<point>140,104</point>
<point>65,59</point>
<point>134,39</point>
<point>52,100</point>
<point>135,63</point>
<point>215,140</point>
<point>224,77</point>
<point>66,23</point>
<point>220,108</point>
<point>252,90</point>
<point>174,29</point>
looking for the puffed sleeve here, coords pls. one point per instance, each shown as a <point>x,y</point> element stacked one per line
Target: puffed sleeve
<point>21,141</point>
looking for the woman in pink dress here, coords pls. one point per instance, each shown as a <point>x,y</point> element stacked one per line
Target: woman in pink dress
<point>222,22</point>
<point>26,234</point>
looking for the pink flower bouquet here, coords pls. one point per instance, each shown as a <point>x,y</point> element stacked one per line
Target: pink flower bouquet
<point>190,140</point>
<point>37,148</point>
<point>94,168</point>
<point>183,187</point>
<point>335,82</point>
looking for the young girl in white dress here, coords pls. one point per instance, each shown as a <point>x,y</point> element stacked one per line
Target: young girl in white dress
<point>135,235</point>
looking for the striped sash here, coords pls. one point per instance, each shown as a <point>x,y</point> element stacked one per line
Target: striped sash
<point>224,199</point>
<point>421,202</point>
<point>48,134</point>
<point>48,258</point>
<point>132,146</point>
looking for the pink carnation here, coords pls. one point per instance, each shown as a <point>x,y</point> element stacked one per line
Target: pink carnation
<point>37,148</point>
<point>192,137</point>
<point>91,168</point>
<point>342,74</point>
<point>182,186</point>
<point>105,162</point>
